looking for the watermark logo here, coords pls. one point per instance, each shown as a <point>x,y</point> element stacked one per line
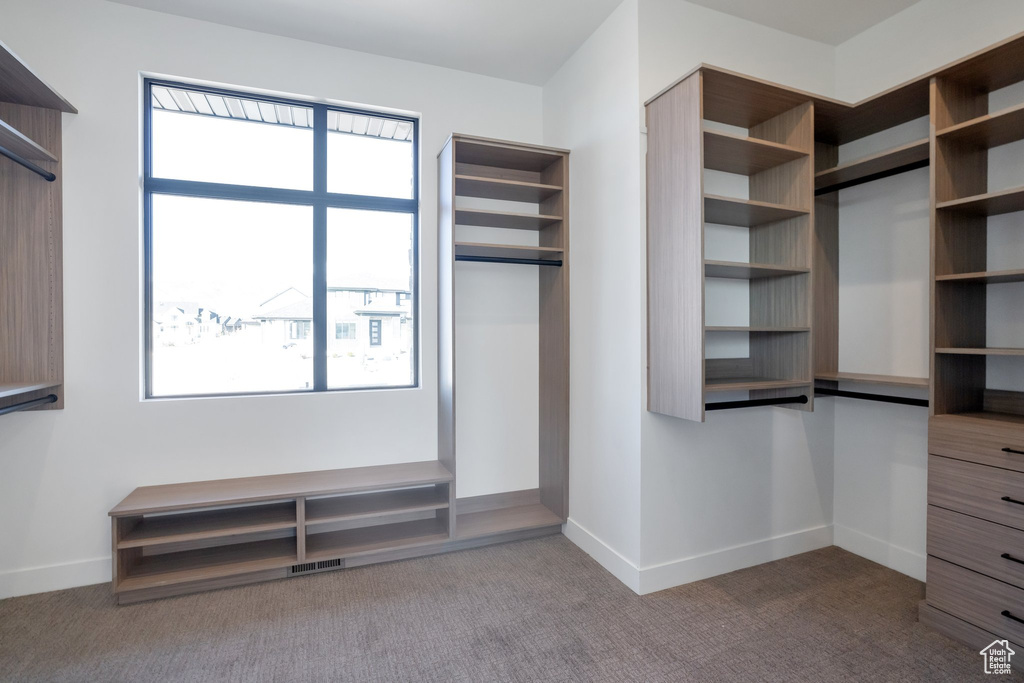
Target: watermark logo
<point>997,657</point>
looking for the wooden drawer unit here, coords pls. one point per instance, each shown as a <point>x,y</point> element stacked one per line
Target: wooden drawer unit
<point>992,549</point>
<point>989,604</point>
<point>999,443</point>
<point>986,492</point>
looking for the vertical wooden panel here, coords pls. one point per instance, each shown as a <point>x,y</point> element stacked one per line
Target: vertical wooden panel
<point>825,278</point>
<point>300,529</point>
<point>675,252</point>
<point>31,261</point>
<point>446,316</point>
<point>553,447</point>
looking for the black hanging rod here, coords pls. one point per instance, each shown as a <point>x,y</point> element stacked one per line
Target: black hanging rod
<point>18,159</point>
<point>51,398</point>
<point>920,402</point>
<point>503,259</point>
<point>912,166</point>
<point>756,402</point>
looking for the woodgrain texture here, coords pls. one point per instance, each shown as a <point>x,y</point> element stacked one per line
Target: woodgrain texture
<point>176,497</point>
<point>976,490</point>
<point>508,251</point>
<point>987,203</point>
<point>15,141</point>
<point>209,524</point>
<point>675,252</point>
<point>745,155</point>
<point>990,130</point>
<point>979,439</point>
<point>366,506</point>
<point>499,188</point>
<point>501,520</point>
<point>977,545</point>
<point>961,631</point>
<point>20,85</point>
<point>742,212</point>
<point>446,318</point>
<point>976,598</point>
<point>504,219</point>
<point>886,162</point>
<point>825,282</point>
<point>31,260</point>
<point>862,378</point>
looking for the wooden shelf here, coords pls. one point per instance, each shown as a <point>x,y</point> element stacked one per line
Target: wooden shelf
<point>19,143</point>
<point>988,277</point>
<point>746,212</point>
<point>20,85</point>
<point>209,563</point>
<point>988,204</point>
<point>12,389</point>
<point>373,505</point>
<point>507,251</point>
<point>980,352</point>
<point>363,540</point>
<point>756,329</point>
<point>745,155</point>
<point>887,380</point>
<point>220,492</point>
<point>750,384</point>
<point>192,526</point>
<point>748,271</point>
<point>986,416</point>
<point>504,219</point>
<point>991,130</point>
<point>502,154</point>
<point>499,188</point>
<point>882,165</point>
<point>502,520</point>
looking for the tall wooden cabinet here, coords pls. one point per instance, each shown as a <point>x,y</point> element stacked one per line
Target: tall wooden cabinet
<point>538,177</point>
<point>31,296</point>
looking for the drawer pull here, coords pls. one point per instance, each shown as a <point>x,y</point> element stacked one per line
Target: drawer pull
<point>1011,558</point>
<point>1009,615</point>
<point>1012,500</point>
<point>1012,450</point>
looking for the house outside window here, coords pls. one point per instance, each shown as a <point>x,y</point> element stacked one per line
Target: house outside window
<point>270,222</point>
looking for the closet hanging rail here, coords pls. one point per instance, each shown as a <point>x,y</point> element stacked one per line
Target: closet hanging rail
<point>503,259</point>
<point>25,405</point>
<point>901,400</point>
<point>18,159</point>
<point>755,402</point>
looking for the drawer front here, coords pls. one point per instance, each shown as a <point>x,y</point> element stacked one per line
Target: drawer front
<point>987,492</point>
<point>989,442</point>
<point>976,544</point>
<point>976,599</point>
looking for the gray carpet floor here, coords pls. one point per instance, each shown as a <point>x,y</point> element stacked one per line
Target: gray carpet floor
<point>538,610</point>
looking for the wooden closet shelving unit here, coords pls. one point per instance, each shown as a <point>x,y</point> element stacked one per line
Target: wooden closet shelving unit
<point>975,589</point>
<point>477,167</point>
<point>31,299</point>
<point>776,155</point>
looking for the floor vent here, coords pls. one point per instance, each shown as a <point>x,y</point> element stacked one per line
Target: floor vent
<point>311,567</point>
<point>328,564</point>
<point>300,568</point>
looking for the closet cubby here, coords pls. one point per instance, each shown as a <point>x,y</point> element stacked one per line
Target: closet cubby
<point>536,177</point>
<point>964,131</point>
<point>776,157</point>
<point>31,242</point>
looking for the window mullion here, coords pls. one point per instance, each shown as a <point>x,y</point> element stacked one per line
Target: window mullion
<point>320,248</point>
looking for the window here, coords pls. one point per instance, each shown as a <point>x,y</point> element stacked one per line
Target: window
<point>269,222</point>
<point>345,331</point>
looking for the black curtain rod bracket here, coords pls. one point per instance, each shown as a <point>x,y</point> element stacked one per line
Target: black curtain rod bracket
<point>756,402</point>
<point>18,159</point>
<point>50,398</point>
<point>503,259</point>
<point>882,398</point>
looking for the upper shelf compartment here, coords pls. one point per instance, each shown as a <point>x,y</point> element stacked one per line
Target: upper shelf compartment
<point>19,85</point>
<point>482,152</point>
<point>14,140</point>
<point>991,130</point>
<point>746,212</point>
<point>745,155</point>
<point>900,159</point>
<point>501,188</point>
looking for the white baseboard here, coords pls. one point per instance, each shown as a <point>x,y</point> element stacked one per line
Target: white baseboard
<point>884,553</point>
<point>606,556</point>
<point>54,577</point>
<point>676,573</point>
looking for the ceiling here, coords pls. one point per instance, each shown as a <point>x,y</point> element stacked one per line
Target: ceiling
<point>519,40</point>
<point>826,21</point>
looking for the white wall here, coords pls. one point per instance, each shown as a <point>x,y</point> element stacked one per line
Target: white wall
<point>62,470</point>
<point>590,107</point>
<point>881,450</point>
<point>746,486</point>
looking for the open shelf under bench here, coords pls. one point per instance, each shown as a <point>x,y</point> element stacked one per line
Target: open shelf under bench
<point>184,538</point>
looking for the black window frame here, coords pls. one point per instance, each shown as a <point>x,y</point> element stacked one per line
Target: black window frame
<point>318,198</point>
